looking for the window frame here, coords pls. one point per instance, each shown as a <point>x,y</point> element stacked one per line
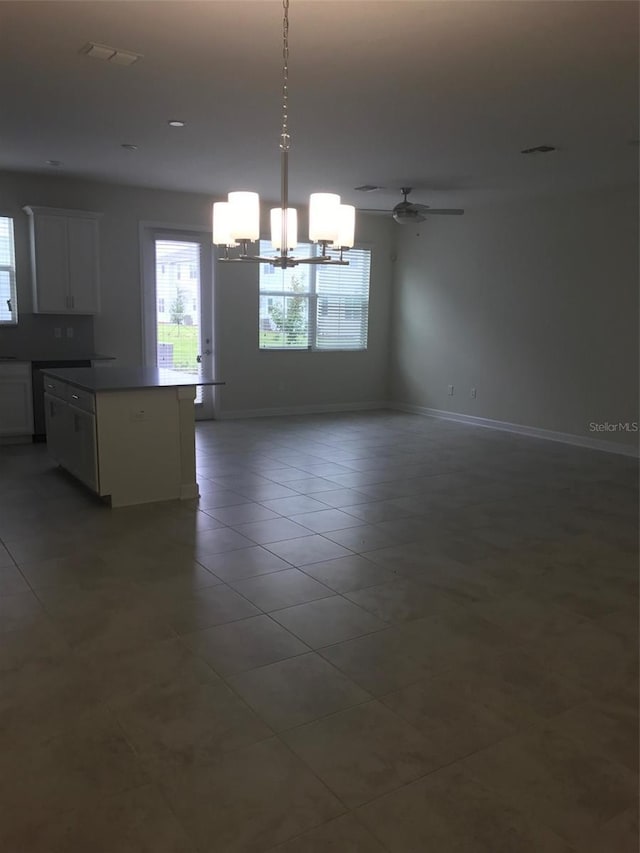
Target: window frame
<point>11,270</point>
<point>312,300</point>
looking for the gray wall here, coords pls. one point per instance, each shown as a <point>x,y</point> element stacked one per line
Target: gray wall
<point>534,304</point>
<point>255,380</point>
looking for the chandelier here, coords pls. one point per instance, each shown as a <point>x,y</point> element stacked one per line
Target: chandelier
<point>236,222</point>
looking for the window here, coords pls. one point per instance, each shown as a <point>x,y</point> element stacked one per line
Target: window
<point>8,296</point>
<point>315,307</point>
<point>161,306</point>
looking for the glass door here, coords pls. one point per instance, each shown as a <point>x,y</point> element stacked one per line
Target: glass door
<point>180,335</point>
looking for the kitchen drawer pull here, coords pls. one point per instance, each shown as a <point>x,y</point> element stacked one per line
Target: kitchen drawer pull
<point>49,385</point>
<point>75,397</point>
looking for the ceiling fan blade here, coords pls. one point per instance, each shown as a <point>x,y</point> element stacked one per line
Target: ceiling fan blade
<point>444,211</point>
<point>374,210</point>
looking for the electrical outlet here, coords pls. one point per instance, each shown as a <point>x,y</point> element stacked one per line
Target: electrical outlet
<point>69,331</point>
<point>57,332</point>
<point>474,393</point>
<point>450,390</point>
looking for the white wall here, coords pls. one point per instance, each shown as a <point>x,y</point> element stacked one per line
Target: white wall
<point>255,379</point>
<point>534,304</point>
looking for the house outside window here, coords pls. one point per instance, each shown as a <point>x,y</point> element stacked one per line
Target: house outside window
<point>8,295</point>
<point>315,307</point>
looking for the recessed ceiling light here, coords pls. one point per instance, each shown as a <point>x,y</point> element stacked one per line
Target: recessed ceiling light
<point>175,122</point>
<point>54,162</point>
<point>129,146</point>
<point>539,149</point>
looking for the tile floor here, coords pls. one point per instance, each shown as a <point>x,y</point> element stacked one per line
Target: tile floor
<point>374,632</point>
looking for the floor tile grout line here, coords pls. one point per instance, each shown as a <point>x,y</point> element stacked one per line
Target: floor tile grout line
<point>530,816</point>
<point>319,651</point>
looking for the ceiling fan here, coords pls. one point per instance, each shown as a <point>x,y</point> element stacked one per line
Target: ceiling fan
<point>408,213</point>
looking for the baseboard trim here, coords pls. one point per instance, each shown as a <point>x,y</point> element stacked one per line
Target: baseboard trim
<point>470,420</point>
<point>520,429</point>
<point>189,491</point>
<point>16,439</point>
<point>325,408</point>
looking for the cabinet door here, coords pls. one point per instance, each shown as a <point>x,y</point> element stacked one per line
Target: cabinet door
<point>16,411</point>
<point>82,237</point>
<point>50,260</point>
<point>83,458</point>
<point>57,418</point>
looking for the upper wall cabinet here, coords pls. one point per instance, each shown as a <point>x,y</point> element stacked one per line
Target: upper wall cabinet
<point>65,264</point>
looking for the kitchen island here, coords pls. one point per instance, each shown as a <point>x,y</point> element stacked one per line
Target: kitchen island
<point>126,433</point>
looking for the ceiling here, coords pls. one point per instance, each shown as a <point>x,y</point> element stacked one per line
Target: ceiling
<point>441,96</point>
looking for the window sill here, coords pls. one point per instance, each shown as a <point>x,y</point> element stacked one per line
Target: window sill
<point>311,349</point>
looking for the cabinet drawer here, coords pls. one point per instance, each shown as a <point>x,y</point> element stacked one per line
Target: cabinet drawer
<point>81,399</point>
<point>55,388</point>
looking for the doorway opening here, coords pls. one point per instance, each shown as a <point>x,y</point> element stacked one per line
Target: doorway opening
<point>178,307</point>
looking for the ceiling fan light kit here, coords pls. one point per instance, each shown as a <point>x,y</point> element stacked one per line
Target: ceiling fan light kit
<point>236,222</point>
<point>408,213</point>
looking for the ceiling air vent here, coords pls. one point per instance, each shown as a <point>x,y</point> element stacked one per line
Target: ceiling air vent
<point>539,149</point>
<point>367,188</point>
<point>105,52</point>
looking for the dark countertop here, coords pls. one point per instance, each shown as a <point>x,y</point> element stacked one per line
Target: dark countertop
<point>96,379</point>
<point>40,357</point>
<point>91,356</point>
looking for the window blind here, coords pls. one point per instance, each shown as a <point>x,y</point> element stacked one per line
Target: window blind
<point>343,303</point>
<point>315,307</point>
<point>8,297</point>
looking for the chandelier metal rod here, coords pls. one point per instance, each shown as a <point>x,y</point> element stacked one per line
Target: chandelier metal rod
<point>285,139</point>
<point>285,260</point>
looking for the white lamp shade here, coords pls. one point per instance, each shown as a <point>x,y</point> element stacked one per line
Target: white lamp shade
<point>346,226</point>
<point>276,228</point>
<point>244,209</point>
<point>222,224</point>
<point>323,217</point>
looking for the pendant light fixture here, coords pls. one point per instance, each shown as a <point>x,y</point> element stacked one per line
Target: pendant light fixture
<point>236,222</point>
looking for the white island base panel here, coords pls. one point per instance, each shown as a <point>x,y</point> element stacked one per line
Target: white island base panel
<point>146,445</point>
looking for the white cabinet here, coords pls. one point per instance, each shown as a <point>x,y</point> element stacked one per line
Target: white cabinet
<point>131,444</point>
<point>58,422</point>
<point>16,400</point>
<point>71,434</point>
<point>83,452</point>
<point>65,264</point>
